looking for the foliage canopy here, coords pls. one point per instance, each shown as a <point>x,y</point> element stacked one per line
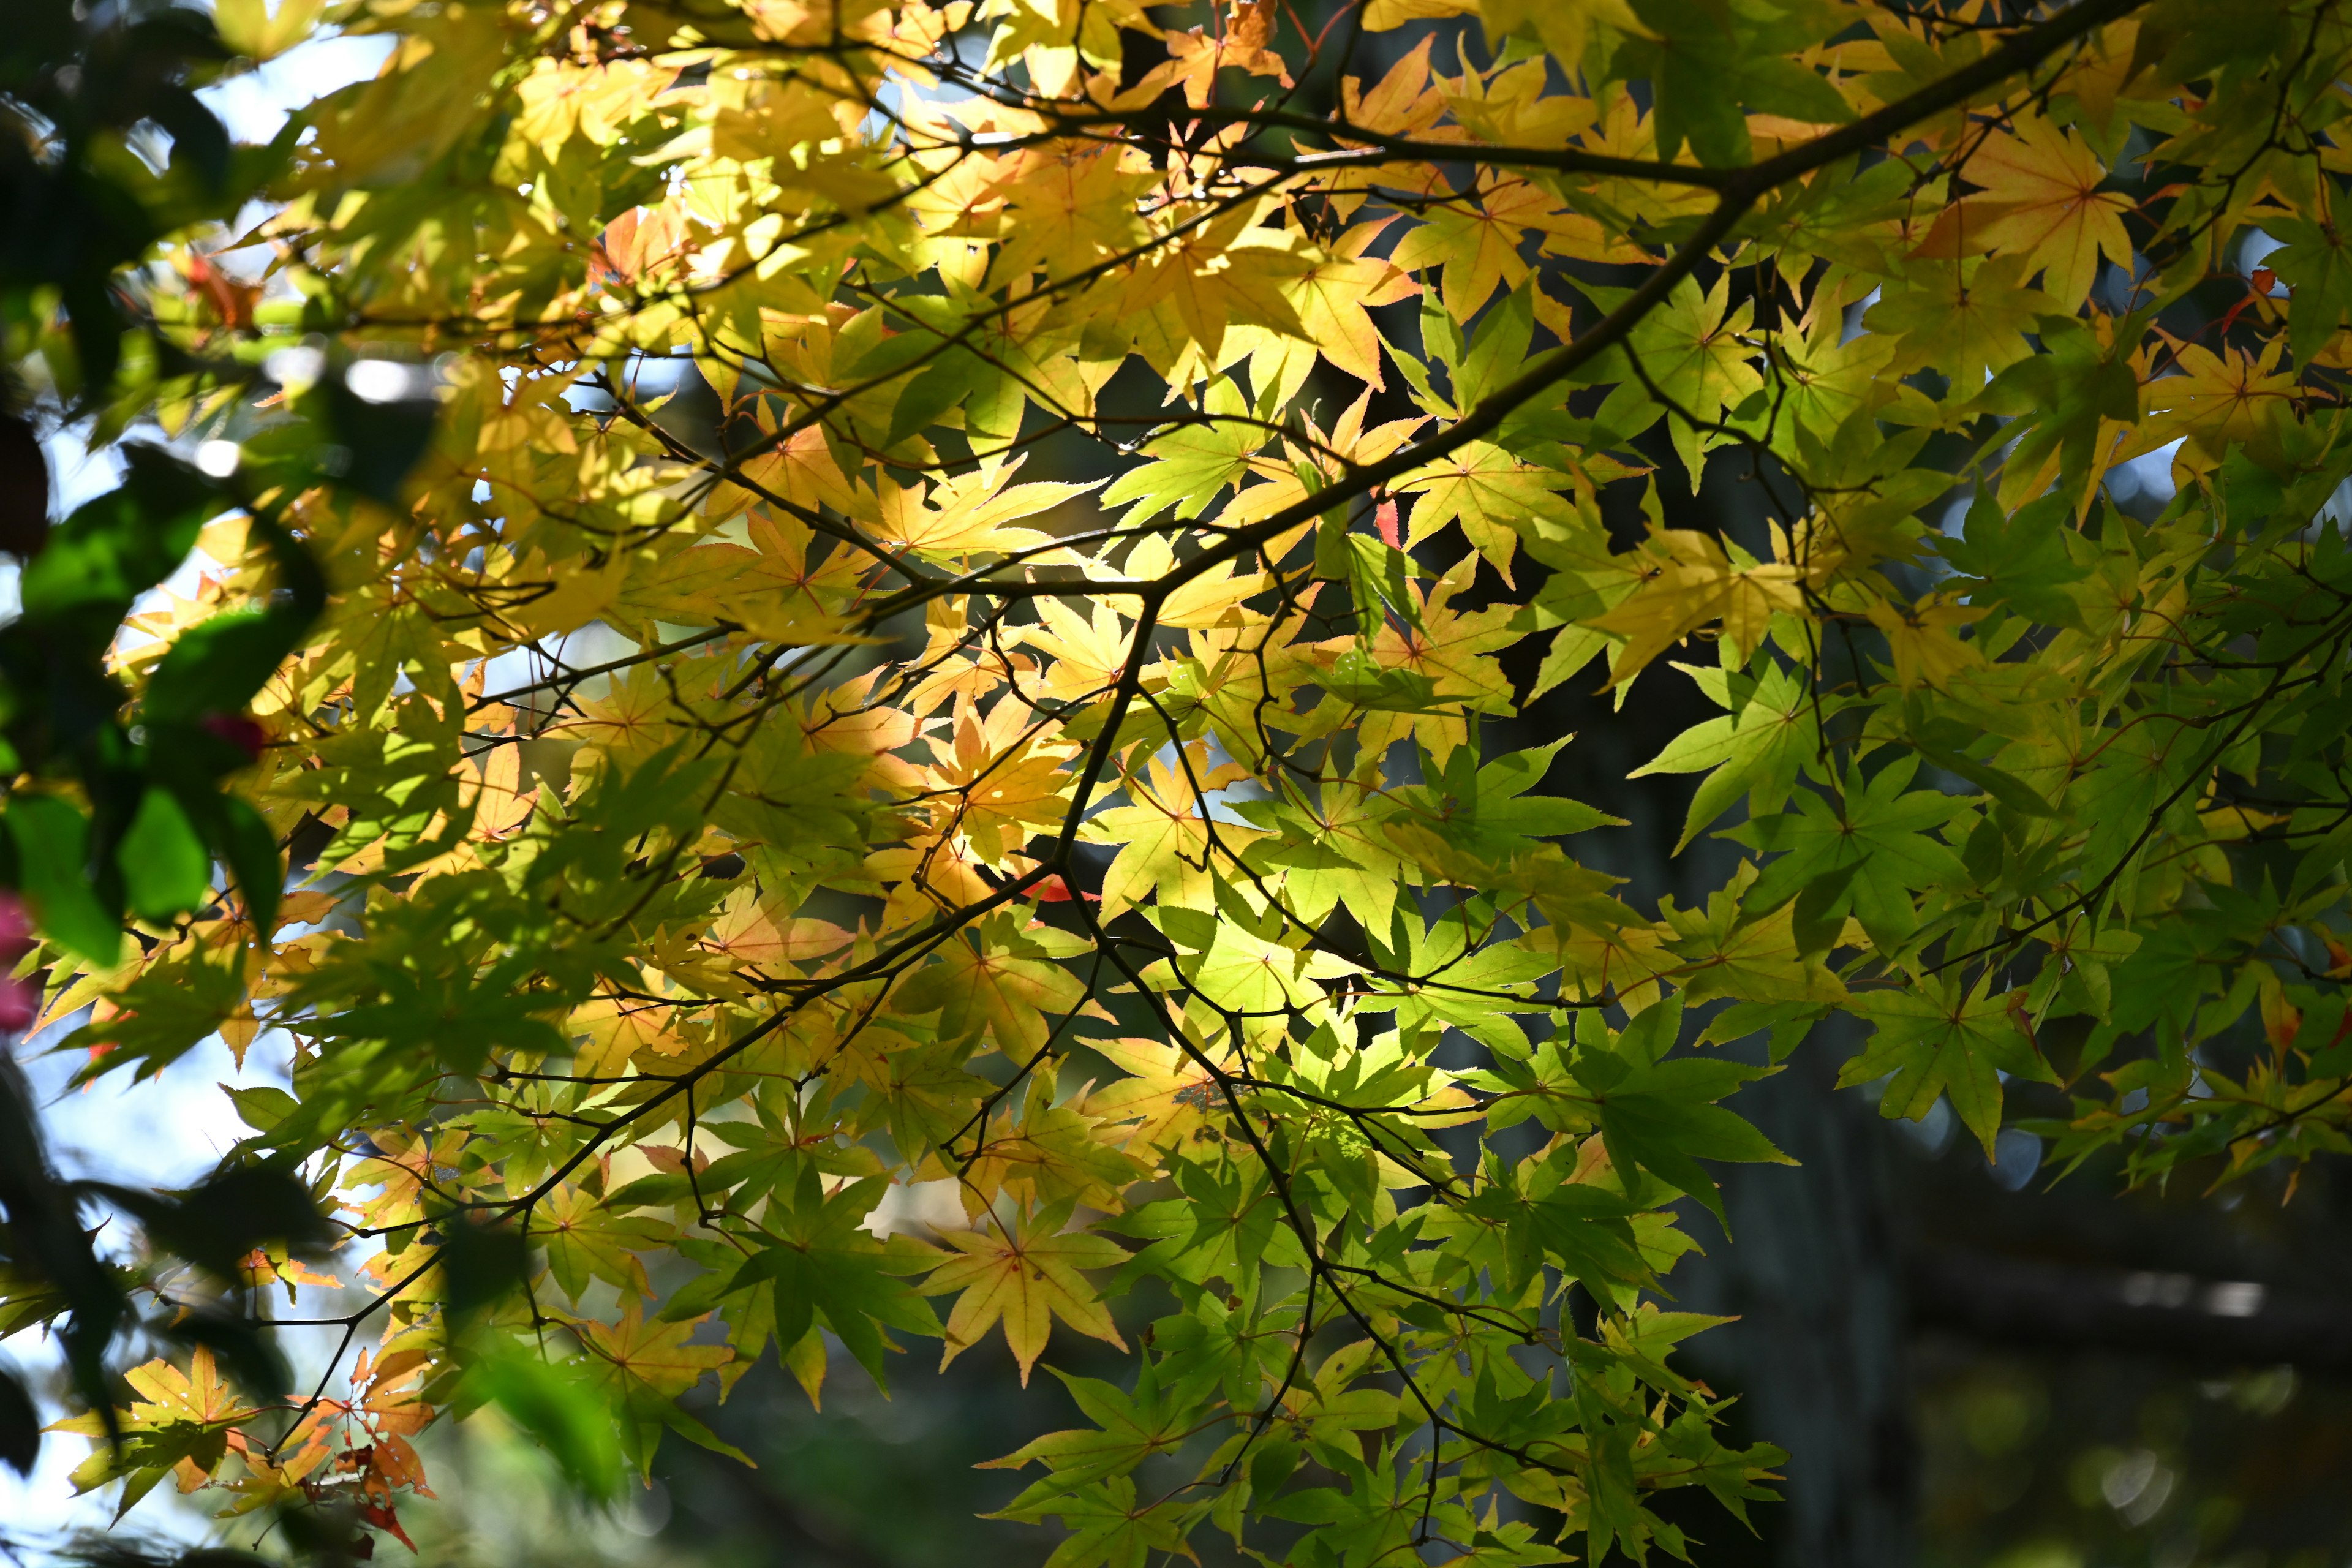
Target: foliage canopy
<point>681,785</point>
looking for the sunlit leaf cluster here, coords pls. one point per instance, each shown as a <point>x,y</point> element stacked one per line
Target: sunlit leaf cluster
<point>874,639</point>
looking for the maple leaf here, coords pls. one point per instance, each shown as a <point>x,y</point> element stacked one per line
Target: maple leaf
<point>1334,295</point>
<point>1662,1115</point>
<point>1691,584</point>
<point>1476,247</point>
<point>1239,970</point>
<point>181,1422</point>
<point>1726,952</point>
<point>1025,1272</point>
<point>2043,205</point>
<point>259,1267</point>
<point>1451,649</point>
<point>1965,319</point>
<point>924,1093</point>
<point>167,1394</point>
<point>585,1241</point>
<point>1690,355</point>
<point>968,513</point>
<point>1487,491</point>
<point>1002,982</point>
<point>1089,653</point>
<point>2020,558</point>
<point>1166,835</point>
<point>1000,781</point>
<point>1943,1040</point>
<point>2217,399</point>
<point>1867,848</point>
<point>1129,1429</point>
<point>1924,641</point>
<point>644,1367</point>
<point>1756,750</point>
<point>632,719</point>
<point>1191,464</point>
<point>822,1262</point>
<point>1167,1101</point>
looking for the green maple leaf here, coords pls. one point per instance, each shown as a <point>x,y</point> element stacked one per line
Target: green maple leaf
<point>1756,750</point>
<point>2315,265</point>
<point>1868,852</point>
<point>1659,1113</point>
<point>1710,66</point>
<point>1191,463</point>
<point>1129,1429</point>
<point>1937,1039</point>
<point>2066,390</point>
<point>2023,559</point>
<point>823,1267</point>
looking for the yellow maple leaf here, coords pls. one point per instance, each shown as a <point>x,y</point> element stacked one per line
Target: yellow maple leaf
<point>634,718</point>
<point>1334,293</point>
<point>656,1356</point>
<point>1485,489</point>
<point>169,1395</point>
<point>2043,201</point>
<point>999,782</point>
<point>1165,835</point>
<point>1087,653</point>
<point>1925,639</point>
<point>968,512</point>
<point>1692,584</point>
<point>1167,1101</point>
<point>1478,247</point>
<point>1025,1272</point>
<point>2216,399</point>
<point>746,934</point>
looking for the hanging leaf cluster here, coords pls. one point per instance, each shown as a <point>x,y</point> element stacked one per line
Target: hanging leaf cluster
<point>872,640</point>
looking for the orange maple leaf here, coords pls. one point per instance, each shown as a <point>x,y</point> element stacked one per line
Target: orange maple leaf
<point>2042,201</point>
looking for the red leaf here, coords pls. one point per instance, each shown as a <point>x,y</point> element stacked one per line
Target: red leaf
<point>383,1517</point>
<point>2262,282</point>
<point>1053,890</point>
